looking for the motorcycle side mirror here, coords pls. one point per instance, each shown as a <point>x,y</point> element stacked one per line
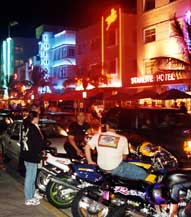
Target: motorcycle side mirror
<point>51,150</point>
<point>47,143</point>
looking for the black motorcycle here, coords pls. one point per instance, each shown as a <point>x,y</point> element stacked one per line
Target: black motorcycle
<point>119,197</point>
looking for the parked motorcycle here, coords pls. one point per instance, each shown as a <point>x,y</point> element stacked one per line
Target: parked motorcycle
<point>119,197</point>
<point>52,165</point>
<point>63,188</point>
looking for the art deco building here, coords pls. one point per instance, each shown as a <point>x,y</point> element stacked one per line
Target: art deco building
<point>163,44</point>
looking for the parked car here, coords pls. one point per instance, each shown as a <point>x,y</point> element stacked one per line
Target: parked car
<point>63,118</point>
<point>10,140</point>
<point>169,128</point>
<point>5,120</point>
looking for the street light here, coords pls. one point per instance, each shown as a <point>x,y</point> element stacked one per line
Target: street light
<point>11,24</point>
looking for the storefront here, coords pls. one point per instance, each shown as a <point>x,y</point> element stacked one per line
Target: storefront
<point>161,82</point>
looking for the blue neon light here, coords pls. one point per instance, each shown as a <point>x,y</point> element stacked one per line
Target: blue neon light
<point>60,33</point>
<point>4,57</point>
<point>64,62</point>
<point>8,58</point>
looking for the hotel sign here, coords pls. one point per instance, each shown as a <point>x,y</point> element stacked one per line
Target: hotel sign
<point>158,78</point>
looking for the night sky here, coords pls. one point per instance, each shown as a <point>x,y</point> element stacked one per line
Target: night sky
<point>68,13</point>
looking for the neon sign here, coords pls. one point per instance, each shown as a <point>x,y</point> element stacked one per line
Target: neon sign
<point>111,18</point>
<point>146,79</point>
<point>115,18</point>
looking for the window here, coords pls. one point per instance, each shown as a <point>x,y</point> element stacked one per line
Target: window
<point>56,54</point>
<point>150,67</point>
<point>71,52</point>
<point>19,62</point>
<point>19,49</point>
<point>62,72</point>
<point>149,5</point>
<point>59,53</point>
<point>16,130</point>
<point>64,52</point>
<point>149,35</point>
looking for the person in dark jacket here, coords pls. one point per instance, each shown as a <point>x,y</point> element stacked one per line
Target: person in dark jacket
<point>76,135</point>
<point>32,145</point>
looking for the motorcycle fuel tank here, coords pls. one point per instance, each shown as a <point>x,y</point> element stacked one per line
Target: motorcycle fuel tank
<point>87,172</point>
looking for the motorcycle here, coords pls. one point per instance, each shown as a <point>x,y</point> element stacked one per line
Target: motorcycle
<point>62,188</point>
<point>130,198</point>
<point>120,197</point>
<point>52,165</point>
<point>66,185</point>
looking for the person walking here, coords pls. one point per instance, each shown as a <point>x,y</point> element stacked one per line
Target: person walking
<point>32,145</point>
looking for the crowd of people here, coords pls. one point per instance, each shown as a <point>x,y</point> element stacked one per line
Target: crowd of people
<point>109,145</point>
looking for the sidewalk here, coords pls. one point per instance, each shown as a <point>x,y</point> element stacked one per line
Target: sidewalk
<point>12,201</point>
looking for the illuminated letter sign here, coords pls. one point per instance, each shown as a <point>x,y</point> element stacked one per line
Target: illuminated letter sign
<point>154,78</point>
<point>111,18</point>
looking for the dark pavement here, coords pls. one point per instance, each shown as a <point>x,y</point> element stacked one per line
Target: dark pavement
<point>12,200</point>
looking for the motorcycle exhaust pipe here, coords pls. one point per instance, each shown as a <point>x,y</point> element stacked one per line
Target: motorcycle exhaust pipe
<point>66,184</point>
<point>186,212</point>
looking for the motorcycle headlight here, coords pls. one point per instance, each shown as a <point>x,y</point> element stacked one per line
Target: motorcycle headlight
<point>63,132</point>
<point>187,146</point>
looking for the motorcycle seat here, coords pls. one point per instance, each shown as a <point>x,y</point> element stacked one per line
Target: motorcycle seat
<point>122,180</point>
<point>62,155</point>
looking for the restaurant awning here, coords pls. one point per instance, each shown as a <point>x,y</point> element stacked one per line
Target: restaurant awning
<point>174,94</point>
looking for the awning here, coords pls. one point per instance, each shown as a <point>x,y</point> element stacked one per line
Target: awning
<point>174,94</point>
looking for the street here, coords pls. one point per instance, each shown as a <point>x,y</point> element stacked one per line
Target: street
<point>12,198</point>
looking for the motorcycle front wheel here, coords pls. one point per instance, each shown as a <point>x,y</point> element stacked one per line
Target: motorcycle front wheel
<point>87,203</point>
<point>59,195</point>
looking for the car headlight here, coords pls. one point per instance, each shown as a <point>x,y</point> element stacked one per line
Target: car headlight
<point>187,146</point>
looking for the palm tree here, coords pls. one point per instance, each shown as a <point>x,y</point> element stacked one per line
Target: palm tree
<point>183,35</point>
<point>85,76</point>
<point>39,78</point>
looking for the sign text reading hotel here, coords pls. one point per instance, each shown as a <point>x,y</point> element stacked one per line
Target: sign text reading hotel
<point>146,79</point>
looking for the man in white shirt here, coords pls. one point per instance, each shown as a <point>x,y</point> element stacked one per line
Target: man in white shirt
<point>112,148</point>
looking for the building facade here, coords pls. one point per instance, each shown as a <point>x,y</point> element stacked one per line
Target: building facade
<point>110,43</point>
<point>57,53</point>
<point>163,44</point>
<point>88,53</point>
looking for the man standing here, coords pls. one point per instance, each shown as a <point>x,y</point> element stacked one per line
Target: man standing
<point>112,148</point>
<point>76,135</point>
<point>32,145</point>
